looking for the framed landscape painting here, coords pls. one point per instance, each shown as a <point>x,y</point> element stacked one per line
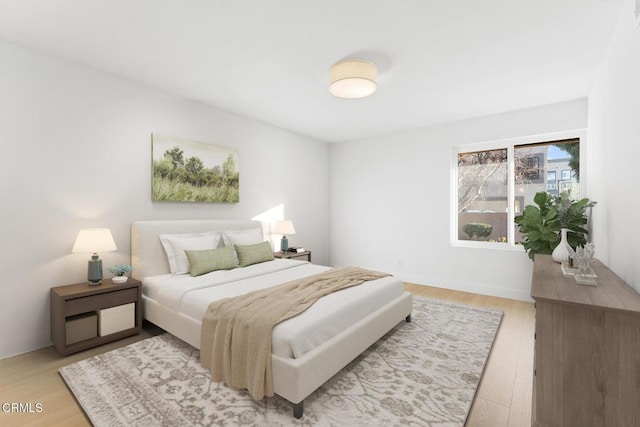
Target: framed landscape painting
<point>192,171</point>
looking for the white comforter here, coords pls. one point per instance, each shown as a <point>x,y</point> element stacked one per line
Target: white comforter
<point>191,296</point>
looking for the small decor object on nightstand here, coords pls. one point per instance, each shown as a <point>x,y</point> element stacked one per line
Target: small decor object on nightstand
<point>120,272</point>
<point>284,228</point>
<point>92,241</point>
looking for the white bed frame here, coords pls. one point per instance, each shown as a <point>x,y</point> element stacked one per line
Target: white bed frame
<point>293,379</point>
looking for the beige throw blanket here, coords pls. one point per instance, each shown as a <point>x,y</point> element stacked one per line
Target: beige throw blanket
<point>236,332</point>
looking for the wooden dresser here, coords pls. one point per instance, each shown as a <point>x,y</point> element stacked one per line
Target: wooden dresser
<point>587,349</point>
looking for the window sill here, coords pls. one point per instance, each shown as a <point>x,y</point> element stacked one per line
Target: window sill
<point>487,245</point>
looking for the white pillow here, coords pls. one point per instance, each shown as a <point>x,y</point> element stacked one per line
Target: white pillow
<point>176,244</point>
<point>250,236</point>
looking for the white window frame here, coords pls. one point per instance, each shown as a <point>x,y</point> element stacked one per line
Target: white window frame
<point>509,144</point>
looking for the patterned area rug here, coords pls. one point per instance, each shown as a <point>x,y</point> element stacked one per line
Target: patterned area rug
<point>423,373</point>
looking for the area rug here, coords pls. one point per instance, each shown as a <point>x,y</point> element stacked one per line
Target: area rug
<point>423,373</point>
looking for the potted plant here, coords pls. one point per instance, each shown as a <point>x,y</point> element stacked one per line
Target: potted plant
<point>120,272</point>
<point>554,219</point>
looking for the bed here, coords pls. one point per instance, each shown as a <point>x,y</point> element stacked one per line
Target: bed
<point>307,349</point>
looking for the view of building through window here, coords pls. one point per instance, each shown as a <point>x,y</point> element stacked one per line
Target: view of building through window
<point>484,185</point>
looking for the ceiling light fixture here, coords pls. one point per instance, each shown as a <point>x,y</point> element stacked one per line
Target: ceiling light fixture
<point>353,78</point>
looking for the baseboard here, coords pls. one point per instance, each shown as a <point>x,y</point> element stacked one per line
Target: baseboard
<point>475,288</point>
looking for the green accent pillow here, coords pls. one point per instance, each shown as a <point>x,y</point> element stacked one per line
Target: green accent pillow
<point>208,260</point>
<point>253,254</point>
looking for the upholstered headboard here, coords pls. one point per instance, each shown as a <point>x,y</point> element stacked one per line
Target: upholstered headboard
<point>148,257</point>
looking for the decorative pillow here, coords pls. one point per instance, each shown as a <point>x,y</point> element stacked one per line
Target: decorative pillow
<point>250,236</point>
<point>208,260</point>
<point>175,245</point>
<point>253,254</point>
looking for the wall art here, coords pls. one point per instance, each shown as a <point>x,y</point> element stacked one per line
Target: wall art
<point>192,171</point>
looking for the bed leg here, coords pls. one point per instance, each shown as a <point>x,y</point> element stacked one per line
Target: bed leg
<point>408,319</point>
<point>298,409</point>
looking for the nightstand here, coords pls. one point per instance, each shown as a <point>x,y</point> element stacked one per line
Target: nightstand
<point>84,316</point>
<point>301,256</point>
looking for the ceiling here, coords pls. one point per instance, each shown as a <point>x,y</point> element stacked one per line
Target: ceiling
<point>438,60</point>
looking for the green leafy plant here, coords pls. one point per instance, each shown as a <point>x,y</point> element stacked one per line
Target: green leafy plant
<point>120,269</point>
<point>540,225</point>
<point>477,230</point>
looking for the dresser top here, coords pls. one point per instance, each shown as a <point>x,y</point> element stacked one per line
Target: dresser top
<point>549,284</point>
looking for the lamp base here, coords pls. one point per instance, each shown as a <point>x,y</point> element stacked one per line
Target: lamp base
<point>284,244</point>
<point>94,271</point>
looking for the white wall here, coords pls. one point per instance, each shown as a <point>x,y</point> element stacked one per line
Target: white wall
<point>76,153</point>
<point>390,195</point>
<point>614,153</point>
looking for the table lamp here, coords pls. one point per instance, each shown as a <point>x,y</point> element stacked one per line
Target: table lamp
<point>284,228</point>
<point>91,241</point>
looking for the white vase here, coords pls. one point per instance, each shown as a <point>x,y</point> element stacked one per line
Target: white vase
<point>119,279</point>
<point>563,250</point>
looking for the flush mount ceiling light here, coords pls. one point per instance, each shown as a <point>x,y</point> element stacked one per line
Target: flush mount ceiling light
<point>353,78</point>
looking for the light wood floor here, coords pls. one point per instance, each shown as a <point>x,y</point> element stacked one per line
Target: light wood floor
<point>503,399</point>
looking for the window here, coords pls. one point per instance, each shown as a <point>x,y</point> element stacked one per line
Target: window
<point>494,185</point>
<point>482,193</point>
<point>552,185</point>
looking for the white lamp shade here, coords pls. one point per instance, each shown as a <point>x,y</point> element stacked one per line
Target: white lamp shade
<point>353,78</point>
<point>92,240</point>
<point>284,227</point>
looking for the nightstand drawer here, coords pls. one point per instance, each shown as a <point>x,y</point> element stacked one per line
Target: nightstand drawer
<point>299,256</point>
<point>105,300</point>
